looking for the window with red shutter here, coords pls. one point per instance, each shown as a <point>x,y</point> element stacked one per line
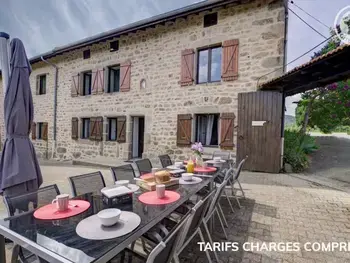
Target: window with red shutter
<point>75,87</point>
<point>121,129</point>
<point>230,60</point>
<point>125,76</point>
<point>187,67</point>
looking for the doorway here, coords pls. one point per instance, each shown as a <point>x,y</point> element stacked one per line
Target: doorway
<point>138,131</point>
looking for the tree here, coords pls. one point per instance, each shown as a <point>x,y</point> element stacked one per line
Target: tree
<point>325,107</point>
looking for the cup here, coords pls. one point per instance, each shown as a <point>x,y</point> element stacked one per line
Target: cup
<point>122,183</point>
<point>160,189</point>
<point>62,202</point>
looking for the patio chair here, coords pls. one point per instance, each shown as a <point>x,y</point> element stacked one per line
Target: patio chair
<point>25,203</point>
<point>144,166</point>
<point>87,183</point>
<point>165,250</point>
<point>193,228</point>
<point>235,180</point>
<point>165,160</point>
<point>223,155</point>
<point>123,172</point>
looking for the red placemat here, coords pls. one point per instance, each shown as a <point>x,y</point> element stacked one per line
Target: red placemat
<point>49,212</point>
<point>151,198</point>
<point>204,169</point>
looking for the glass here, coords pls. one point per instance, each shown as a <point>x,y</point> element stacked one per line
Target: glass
<point>60,237</point>
<point>87,83</point>
<point>86,128</point>
<point>114,79</point>
<point>42,84</point>
<point>215,64</point>
<point>112,129</point>
<point>203,66</point>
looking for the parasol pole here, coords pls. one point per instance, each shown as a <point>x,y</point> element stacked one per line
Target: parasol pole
<point>5,59</point>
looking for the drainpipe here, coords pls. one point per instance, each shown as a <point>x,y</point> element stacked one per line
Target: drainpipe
<point>54,106</point>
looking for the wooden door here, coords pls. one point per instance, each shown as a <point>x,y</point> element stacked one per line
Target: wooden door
<point>259,130</point>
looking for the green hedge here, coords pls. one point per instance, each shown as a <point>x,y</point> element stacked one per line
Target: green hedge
<point>297,147</point>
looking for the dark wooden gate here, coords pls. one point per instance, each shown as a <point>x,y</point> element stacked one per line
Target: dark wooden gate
<point>259,130</point>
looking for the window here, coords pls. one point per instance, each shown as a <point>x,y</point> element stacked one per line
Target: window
<point>40,130</point>
<point>114,46</point>
<point>207,131</point>
<point>210,19</point>
<point>86,54</point>
<point>113,79</point>
<point>85,128</point>
<point>112,129</point>
<point>42,85</point>
<point>209,65</point>
<point>87,83</point>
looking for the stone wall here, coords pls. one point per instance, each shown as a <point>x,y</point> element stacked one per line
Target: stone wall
<point>155,56</point>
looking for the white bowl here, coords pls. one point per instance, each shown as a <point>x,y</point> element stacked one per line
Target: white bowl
<point>122,183</point>
<point>179,164</point>
<point>109,217</point>
<point>187,176</point>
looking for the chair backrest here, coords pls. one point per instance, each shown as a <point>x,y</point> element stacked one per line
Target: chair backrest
<point>165,160</point>
<point>87,183</point>
<point>222,155</point>
<point>165,249</point>
<point>218,193</point>
<point>20,203</point>
<point>144,166</point>
<point>123,172</point>
<point>239,167</point>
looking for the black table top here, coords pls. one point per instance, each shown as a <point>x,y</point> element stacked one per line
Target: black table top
<point>67,244</point>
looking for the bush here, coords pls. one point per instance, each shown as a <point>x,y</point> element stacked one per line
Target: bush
<point>296,149</point>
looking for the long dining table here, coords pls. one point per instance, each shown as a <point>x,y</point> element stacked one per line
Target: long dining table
<point>56,241</point>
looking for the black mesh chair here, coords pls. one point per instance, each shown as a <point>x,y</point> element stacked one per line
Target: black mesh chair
<point>144,166</point>
<point>123,172</point>
<point>25,203</point>
<point>87,183</point>
<point>234,180</point>
<point>165,160</point>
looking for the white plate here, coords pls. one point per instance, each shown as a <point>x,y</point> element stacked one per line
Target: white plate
<point>132,187</point>
<point>195,180</point>
<point>173,167</point>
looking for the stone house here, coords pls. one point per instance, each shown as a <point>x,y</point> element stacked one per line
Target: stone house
<point>157,85</point>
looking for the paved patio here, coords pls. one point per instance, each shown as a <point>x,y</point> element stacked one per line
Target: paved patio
<point>278,208</point>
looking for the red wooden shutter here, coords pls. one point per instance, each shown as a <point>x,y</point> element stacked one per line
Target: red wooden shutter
<point>75,85</point>
<point>33,130</point>
<point>45,126</point>
<point>99,128</point>
<point>121,129</point>
<point>184,129</point>
<point>125,76</point>
<point>230,60</point>
<point>97,81</point>
<point>187,67</point>
<point>227,124</point>
<point>75,123</point>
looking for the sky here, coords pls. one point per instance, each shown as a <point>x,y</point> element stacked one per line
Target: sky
<point>45,24</point>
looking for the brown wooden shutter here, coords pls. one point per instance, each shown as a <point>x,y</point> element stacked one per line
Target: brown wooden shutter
<point>184,129</point>
<point>187,67</point>
<point>33,129</point>
<point>37,88</point>
<point>125,76</point>
<point>45,126</point>
<point>75,85</point>
<point>92,129</point>
<point>121,129</point>
<point>227,125</point>
<point>230,60</point>
<point>97,81</point>
<point>107,130</point>
<point>75,123</point>
<point>99,128</point>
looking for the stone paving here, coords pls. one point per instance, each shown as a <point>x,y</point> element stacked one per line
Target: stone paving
<point>278,208</point>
